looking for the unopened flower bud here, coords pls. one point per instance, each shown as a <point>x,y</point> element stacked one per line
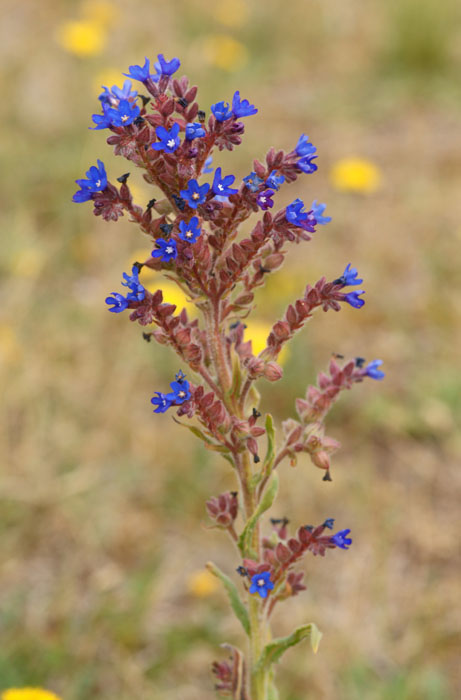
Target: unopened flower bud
<point>223,509</point>
<point>273,372</point>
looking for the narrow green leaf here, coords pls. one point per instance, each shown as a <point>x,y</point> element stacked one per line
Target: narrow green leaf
<point>270,431</point>
<point>274,650</point>
<point>235,600</point>
<point>267,500</point>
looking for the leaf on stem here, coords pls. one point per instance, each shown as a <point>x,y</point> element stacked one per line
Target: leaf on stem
<point>274,650</point>
<point>235,600</point>
<point>267,500</point>
<point>270,432</point>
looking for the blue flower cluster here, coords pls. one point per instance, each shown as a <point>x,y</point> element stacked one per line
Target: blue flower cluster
<point>96,182</point>
<point>179,394</point>
<point>296,215</point>
<point>306,152</point>
<point>261,584</point>
<point>162,67</point>
<point>137,292</point>
<point>341,540</point>
<point>240,108</point>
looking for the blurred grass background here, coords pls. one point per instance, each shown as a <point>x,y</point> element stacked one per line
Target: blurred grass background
<point>101,510</point>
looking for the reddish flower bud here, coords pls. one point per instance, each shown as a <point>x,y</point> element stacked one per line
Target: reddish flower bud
<point>223,509</point>
<point>273,372</point>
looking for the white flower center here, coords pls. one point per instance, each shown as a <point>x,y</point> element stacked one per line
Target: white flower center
<point>189,234</point>
<point>124,118</point>
<point>181,394</point>
<point>169,250</point>
<point>220,188</point>
<point>261,582</point>
<point>263,199</point>
<point>98,183</point>
<point>170,143</point>
<point>195,195</point>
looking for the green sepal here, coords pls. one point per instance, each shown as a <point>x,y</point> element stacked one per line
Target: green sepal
<point>236,374</point>
<point>267,500</point>
<point>274,650</point>
<point>234,598</point>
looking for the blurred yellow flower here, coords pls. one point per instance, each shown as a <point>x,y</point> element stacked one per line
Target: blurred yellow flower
<point>257,331</point>
<point>232,13</point>
<point>107,77</point>
<point>202,584</point>
<point>225,52</point>
<point>153,280</point>
<point>27,263</point>
<point>28,694</point>
<point>10,349</point>
<point>100,11</point>
<point>355,175</point>
<point>82,37</point>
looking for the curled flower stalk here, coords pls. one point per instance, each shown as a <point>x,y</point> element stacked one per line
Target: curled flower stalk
<point>192,221</point>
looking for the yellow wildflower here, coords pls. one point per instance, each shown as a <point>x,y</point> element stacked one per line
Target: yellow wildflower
<point>355,175</point>
<point>10,349</point>
<point>225,52</point>
<point>202,584</point>
<point>232,13</point>
<point>28,694</point>
<point>81,37</point>
<point>28,263</point>
<point>107,77</point>
<point>257,331</point>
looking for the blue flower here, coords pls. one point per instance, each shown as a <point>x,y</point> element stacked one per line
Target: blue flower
<point>274,181</point>
<point>137,291</point>
<point>304,147</point>
<point>141,73</point>
<point>113,96</point>
<point>118,302</point>
<point>341,540</point>
<point>253,182</point>
<point>221,185</point>
<point>242,108</point>
<point>166,250</point>
<point>353,298</point>
<point>180,392</point>
<point>349,277</point>
<point>317,210</point>
<point>306,165</point>
<point>329,522</point>
<point>96,182</point>
<point>371,370</point>
<point>261,583</point>
<point>102,121</point>
<point>124,113</point>
<point>264,199</point>
<point>294,213</point>
<point>168,67</point>
<point>194,131</point>
<point>207,165</point>
<point>221,111</point>
<point>162,402</point>
<point>189,231</point>
<point>195,194</point>
<point>169,140</point>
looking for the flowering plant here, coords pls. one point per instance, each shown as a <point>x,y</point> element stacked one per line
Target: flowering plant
<point>194,230</point>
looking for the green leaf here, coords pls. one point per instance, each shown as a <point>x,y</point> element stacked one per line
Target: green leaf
<point>267,500</point>
<point>235,600</point>
<point>269,458</point>
<point>274,650</point>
